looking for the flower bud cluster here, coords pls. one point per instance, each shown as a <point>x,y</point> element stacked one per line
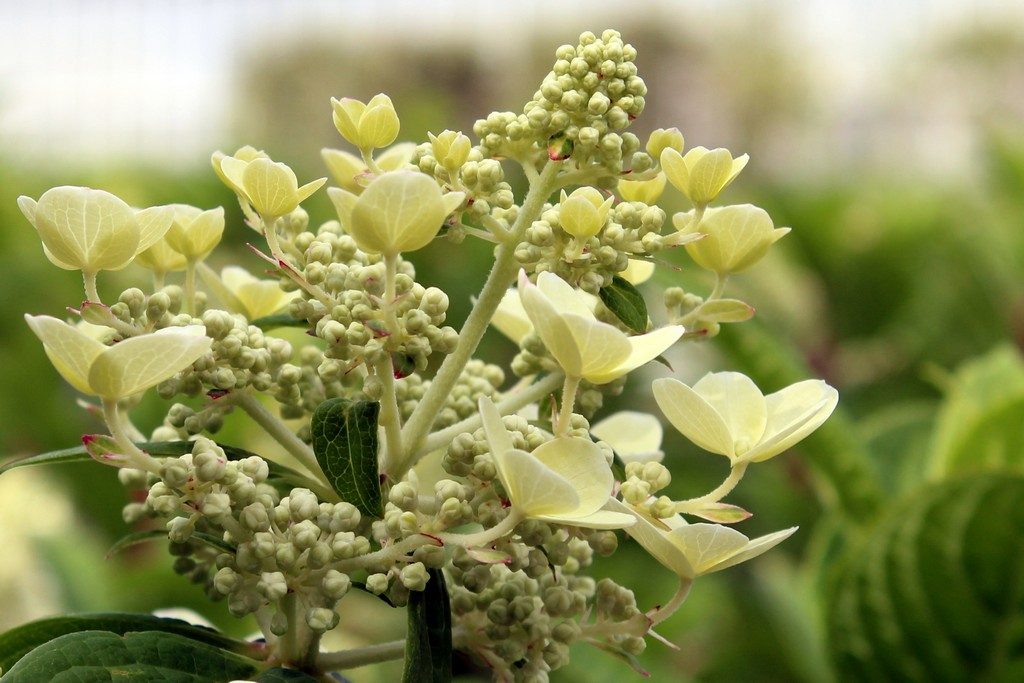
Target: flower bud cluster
<point>478,379</point>
<point>457,166</point>
<point>581,110</point>
<point>631,229</point>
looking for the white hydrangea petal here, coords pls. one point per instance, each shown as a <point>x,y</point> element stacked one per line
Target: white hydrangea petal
<point>498,438</point>
<point>535,489</point>
<point>71,351</point>
<point>139,363</point>
<point>635,436</point>
<point>654,540</point>
<point>643,349</point>
<point>563,296</point>
<point>740,403</point>
<point>753,548</point>
<point>638,271</point>
<point>154,223</point>
<point>582,463</point>
<point>793,413</point>
<point>706,545</point>
<point>395,157</point>
<point>551,327</point>
<point>693,416</point>
<point>602,348</point>
<point>510,318</point>
<point>90,229</point>
<point>602,519</point>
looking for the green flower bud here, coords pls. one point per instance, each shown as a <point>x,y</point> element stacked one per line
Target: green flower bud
<point>304,534</point>
<point>303,505</point>
<point>414,576</point>
<point>320,619</point>
<point>451,149</point>
<point>216,504</point>
<point>377,583</point>
<point>225,580</point>
<point>335,584</point>
<point>180,529</point>
<point>662,139</point>
<point>369,125</point>
<point>272,585</point>
<point>279,624</point>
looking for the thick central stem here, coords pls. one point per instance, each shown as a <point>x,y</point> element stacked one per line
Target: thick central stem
<point>568,402</point>
<point>502,275</point>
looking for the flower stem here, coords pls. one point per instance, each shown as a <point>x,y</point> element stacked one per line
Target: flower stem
<point>508,405</point>
<point>672,606</point>
<point>288,440</point>
<point>91,293</point>
<point>390,418</point>
<point>502,275</point>
<point>487,536</point>
<point>724,489</point>
<point>190,288</point>
<point>371,654</point>
<point>138,458</point>
<point>568,401</point>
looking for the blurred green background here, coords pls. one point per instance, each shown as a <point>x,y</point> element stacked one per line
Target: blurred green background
<point>891,139</point>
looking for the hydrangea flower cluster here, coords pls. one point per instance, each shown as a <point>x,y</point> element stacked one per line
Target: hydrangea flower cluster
<point>480,503</point>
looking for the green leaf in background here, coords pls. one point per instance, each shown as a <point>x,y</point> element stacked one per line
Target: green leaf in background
<point>135,656</point>
<point>18,642</point>
<point>936,592</point>
<point>137,537</point>
<point>981,423</point>
<point>270,322</point>
<point>280,476</point>
<point>279,675</point>
<point>345,443</point>
<point>627,303</point>
<point>428,644</point>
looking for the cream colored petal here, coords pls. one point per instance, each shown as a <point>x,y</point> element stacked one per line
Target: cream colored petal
<point>654,540</point>
<point>510,317</point>
<point>452,201</point>
<point>395,157</point>
<point>161,258</point>
<point>498,438</point>
<point>739,402</point>
<point>346,113</point>
<point>379,125</point>
<point>536,489</point>
<point>205,232</point>
<point>693,416</point>
<point>262,298</point>
<point>28,208</point>
<point>304,192</point>
<point>343,201</point>
<point>217,286</point>
<point>582,463</point>
<point>89,229</point>
<point>793,413</point>
<point>738,164</point>
<point>344,167</point>
<point>753,548</point>
<point>706,545</point>
<point>635,436</point>
<point>579,217</point>
<point>398,211</point>
<point>139,363</point>
<point>233,171</point>
<point>550,327</point>
<point>643,349</point>
<point>637,271</point>
<point>646,191</point>
<point>563,296</point>
<point>674,167</point>
<point>153,225</point>
<point>71,352</point>
<point>709,174</point>
<point>56,261</point>
<point>271,186</point>
<point>234,277</point>
<point>602,519</point>
<point>603,349</point>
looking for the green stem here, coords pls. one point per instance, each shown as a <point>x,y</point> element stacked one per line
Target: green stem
<point>716,293</point>
<point>286,646</point>
<point>672,606</point>
<point>487,536</point>
<point>723,489</point>
<point>284,266</point>
<point>510,404</point>
<point>350,659</point>
<point>158,280</point>
<point>91,293</point>
<point>568,401</point>
<point>288,440</point>
<point>385,555</point>
<point>190,288</point>
<point>137,458</point>
<point>370,162</point>
<point>502,274</point>
<point>390,418</point>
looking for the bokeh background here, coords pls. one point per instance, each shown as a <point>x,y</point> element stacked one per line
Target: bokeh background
<point>889,136</point>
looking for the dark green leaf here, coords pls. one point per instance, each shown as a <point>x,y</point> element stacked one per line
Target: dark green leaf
<point>359,585</point>
<point>17,642</point>
<point>135,656</point>
<point>279,675</point>
<point>935,592</point>
<point>345,443</point>
<point>75,454</point>
<point>626,302</point>
<point>138,537</point>
<point>428,644</point>
<point>269,322</point>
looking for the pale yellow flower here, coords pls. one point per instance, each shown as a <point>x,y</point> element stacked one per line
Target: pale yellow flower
<point>566,480</point>
<point>584,346</point>
<point>269,187</point>
<point>635,436</point>
<point>194,232</point>
<point>735,237</point>
<point>701,174</point>
<point>244,293</point>
<point>725,413</point>
<point>398,211</point>
<point>646,191</point>
<point>637,271</point>
<point>350,172</point>
<point>583,213</point>
<point>692,550</point>
<point>369,125</point>
<point>124,369</point>
<point>450,148</point>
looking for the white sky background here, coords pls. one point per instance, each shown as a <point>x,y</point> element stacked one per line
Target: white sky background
<point>120,80</point>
